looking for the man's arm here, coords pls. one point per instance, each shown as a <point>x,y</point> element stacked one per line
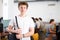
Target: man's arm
<point>30,33</point>
<point>11,30</point>
<point>51,31</point>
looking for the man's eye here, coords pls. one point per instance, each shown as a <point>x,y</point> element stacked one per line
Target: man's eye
<point>21,7</point>
<point>24,7</point>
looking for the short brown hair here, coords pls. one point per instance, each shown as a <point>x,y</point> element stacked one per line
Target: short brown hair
<point>51,20</point>
<point>23,3</point>
<point>40,19</point>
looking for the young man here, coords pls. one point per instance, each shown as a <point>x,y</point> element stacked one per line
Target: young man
<point>50,30</point>
<point>25,23</point>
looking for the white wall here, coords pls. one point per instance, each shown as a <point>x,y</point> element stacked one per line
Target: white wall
<point>1,5</point>
<point>38,9</point>
<point>41,9</point>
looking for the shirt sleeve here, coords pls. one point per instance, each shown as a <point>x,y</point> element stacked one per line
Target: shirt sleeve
<point>31,23</point>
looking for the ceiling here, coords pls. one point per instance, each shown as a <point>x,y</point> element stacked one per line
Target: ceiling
<point>37,0</point>
<point>34,0</point>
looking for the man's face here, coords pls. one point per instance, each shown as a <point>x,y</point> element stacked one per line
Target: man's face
<point>53,22</point>
<point>22,8</point>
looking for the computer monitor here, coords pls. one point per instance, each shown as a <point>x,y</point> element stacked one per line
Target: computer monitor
<point>5,24</point>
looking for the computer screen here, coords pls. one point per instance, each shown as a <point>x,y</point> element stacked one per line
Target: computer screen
<point>5,23</point>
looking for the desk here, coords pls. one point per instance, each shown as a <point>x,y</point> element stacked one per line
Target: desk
<point>3,34</point>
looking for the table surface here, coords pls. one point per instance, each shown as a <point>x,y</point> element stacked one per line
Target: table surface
<point>3,34</point>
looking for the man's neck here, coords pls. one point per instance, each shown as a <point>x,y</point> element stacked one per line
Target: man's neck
<point>22,15</point>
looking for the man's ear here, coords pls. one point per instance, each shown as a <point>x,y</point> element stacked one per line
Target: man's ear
<point>18,8</point>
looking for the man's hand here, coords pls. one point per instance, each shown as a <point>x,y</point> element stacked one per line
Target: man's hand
<point>11,30</point>
<point>19,36</point>
<point>18,31</point>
